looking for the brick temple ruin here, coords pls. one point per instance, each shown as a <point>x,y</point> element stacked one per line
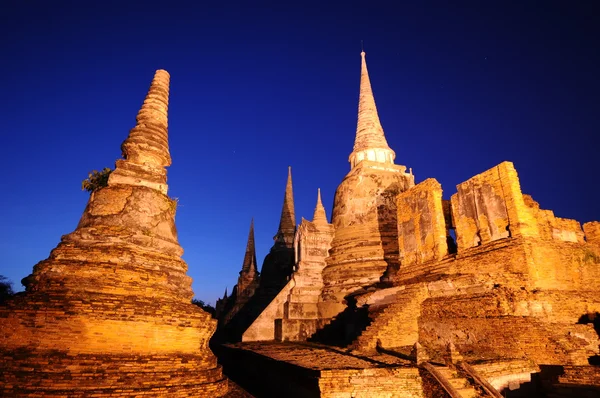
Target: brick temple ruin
<point>405,294</point>
<point>109,313</point>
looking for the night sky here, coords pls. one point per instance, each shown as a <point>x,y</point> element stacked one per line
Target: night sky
<point>256,87</point>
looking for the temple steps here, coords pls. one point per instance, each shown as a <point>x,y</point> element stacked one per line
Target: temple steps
<point>344,328</point>
<point>394,324</point>
<point>451,382</point>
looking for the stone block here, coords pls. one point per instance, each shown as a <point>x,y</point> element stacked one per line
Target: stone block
<point>421,224</point>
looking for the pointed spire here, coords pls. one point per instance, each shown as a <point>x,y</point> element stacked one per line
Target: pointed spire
<point>249,265</point>
<point>370,142</point>
<point>287,223</point>
<point>225,295</point>
<point>146,150</point>
<point>319,217</point>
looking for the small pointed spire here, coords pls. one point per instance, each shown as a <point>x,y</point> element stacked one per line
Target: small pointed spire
<point>225,295</point>
<point>148,140</point>
<point>319,216</point>
<point>369,132</point>
<point>249,265</point>
<point>287,223</point>
<point>146,150</point>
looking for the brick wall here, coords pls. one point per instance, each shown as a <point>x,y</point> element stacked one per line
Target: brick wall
<point>421,225</point>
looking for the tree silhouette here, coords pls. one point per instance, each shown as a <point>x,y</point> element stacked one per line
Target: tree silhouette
<point>206,307</point>
<point>5,288</point>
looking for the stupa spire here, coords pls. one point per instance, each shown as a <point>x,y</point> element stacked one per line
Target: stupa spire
<point>370,143</point>
<point>146,150</point>
<point>249,265</point>
<point>319,216</point>
<point>225,295</point>
<point>287,223</point>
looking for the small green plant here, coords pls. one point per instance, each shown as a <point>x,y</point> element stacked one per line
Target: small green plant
<point>173,203</point>
<point>96,180</point>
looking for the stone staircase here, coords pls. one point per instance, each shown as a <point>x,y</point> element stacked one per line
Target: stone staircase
<point>461,384</point>
<point>446,381</point>
<point>393,324</point>
<point>343,329</point>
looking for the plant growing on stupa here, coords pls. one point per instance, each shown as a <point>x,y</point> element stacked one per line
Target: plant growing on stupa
<point>96,180</point>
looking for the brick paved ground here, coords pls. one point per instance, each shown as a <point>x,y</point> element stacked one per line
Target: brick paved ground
<point>321,357</point>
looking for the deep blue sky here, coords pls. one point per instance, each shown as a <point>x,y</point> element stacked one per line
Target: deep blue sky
<point>256,87</point>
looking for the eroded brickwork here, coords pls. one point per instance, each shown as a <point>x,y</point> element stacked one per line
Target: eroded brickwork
<point>516,293</point>
<point>592,232</point>
<point>109,313</point>
<point>421,225</point>
<point>364,211</point>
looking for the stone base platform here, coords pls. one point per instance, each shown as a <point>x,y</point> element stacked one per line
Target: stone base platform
<point>300,369</point>
<point>24,373</point>
<point>270,369</point>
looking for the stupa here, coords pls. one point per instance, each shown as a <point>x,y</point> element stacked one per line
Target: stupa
<point>109,313</point>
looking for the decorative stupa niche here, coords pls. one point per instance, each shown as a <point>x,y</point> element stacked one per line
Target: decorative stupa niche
<point>109,312</point>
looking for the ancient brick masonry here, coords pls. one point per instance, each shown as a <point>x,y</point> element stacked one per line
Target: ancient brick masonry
<point>364,212</point>
<point>109,312</point>
<point>519,284</point>
<point>515,294</point>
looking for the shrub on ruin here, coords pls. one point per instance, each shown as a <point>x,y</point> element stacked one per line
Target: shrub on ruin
<point>96,180</point>
<point>6,290</point>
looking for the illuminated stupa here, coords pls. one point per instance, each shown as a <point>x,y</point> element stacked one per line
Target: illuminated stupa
<point>109,312</point>
<point>364,209</point>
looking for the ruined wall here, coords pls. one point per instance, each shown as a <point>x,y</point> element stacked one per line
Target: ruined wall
<point>490,206</point>
<point>421,226</point>
<point>592,232</point>
<point>374,382</point>
<point>555,228</point>
<point>499,292</point>
<point>563,265</point>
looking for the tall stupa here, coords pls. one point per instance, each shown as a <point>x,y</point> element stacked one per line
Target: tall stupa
<point>109,312</point>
